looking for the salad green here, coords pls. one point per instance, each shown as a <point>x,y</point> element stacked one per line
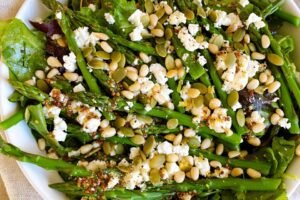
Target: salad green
<point>151,99</point>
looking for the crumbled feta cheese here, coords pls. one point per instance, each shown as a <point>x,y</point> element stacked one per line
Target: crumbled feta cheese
<point>236,76</point>
<point>58,15</point>
<point>133,179</point>
<point>203,165</point>
<point>163,96</point>
<point>89,118</point>
<point>109,18</point>
<point>221,19</point>
<point>171,168</point>
<point>159,73</point>
<point>168,148</point>
<point>193,29</point>
<point>91,125</point>
<point>134,152</point>
<point>244,3</point>
<point>60,127</point>
<point>51,111</point>
<point>219,121</point>
<point>283,122</point>
<point>189,41</point>
<point>165,148</point>
<point>177,18</point>
<point>136,17</point>
<point>236,106</point>
<point>92,7</point>
<point>256,20</point>
<point>136,34</point>
<point>146,84</point>
<point>181,150</point>
<point>113,181</point>
<point>79,88</point>
<point>201,59</point>
<point>70,62</point>
<point>185,56</point>
<point>83,38</point>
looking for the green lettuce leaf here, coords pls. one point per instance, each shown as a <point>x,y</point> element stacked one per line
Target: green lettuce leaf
<point>22,50</point>
<point>284,151</point>
<point>119,9</point>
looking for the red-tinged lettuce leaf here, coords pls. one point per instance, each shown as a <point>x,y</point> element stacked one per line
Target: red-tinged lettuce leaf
<point>22,50</point>
<point>50,28</point>
<point>53,49</point>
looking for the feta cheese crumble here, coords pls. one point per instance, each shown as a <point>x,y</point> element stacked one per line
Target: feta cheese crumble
<point>83,38</point>
<point>220,121</point>
<point>256,20</point>
<point>283,122</point>
<point>189,41</point>
<point>244,3</point>
<point>60,128</point>
<point>58,15</point>
<point>236,75</point>
<point>201,59</point>
<point>70,62</point>
<point>109,18</point>
<point>159,73</point>
<point>193,29</point>
<point>168,148</point>
<point>177,18</point>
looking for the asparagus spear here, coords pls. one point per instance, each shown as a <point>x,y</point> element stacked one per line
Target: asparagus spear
<point>135,46</point>
<point>286,102</point>
<point>261,166</point>
<point>195,69</point>
<point>13,120</point>
<point>44,162</point>
<point>29,91</point>
<point>119,104</point>
<point>199,187</point>
<point>64,23</point>
<point>222,94</point>
<point>36,121</point>
<point>288,72</point>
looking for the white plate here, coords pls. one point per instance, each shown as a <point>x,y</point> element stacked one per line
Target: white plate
<point>20,134</point>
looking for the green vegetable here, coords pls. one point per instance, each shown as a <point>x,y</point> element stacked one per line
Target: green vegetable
<point>261,166</point>
<point>29,91</point>
<point>46,163</point>
<point>35,118</point>
<point>13,120</point>
<point>284,151</point>
<point>22,50</point>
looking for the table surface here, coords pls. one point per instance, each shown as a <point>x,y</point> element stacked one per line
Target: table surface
<point>13,184</point>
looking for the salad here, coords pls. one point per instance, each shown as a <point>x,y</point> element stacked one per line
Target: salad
<point>148,99</point>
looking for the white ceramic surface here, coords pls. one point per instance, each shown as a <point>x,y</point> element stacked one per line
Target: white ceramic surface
<point>20,134</point>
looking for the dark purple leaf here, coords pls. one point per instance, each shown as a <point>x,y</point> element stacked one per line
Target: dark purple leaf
<point>248,98</point>
<point>53,49</point>
<point>50,28</point>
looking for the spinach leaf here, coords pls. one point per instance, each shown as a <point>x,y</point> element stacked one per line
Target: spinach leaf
<point>284,153</point>
<point>22,50</point>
